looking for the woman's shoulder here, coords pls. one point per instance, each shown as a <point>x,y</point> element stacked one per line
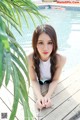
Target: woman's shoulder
<point>61,59</point>
<point>30,58</point>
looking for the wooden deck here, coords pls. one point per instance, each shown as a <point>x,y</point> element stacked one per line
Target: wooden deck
<point>65,100</point>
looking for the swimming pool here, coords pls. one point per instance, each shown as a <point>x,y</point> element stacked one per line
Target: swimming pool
<point>67,26</point>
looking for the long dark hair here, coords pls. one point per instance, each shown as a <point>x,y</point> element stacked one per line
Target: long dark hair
<point>49,30</point>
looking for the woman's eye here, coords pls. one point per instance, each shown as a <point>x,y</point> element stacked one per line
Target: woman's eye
<point>40,43</point>
<point>50,43</point>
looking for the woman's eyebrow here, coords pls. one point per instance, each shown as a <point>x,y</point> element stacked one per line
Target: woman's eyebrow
<point>49,40</point>
<point>43,40</point>
<point>40,40</point>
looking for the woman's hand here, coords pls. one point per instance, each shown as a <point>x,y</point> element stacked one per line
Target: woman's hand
<point>48,102</point>
<point>43,102</point>
<point>40,103</point>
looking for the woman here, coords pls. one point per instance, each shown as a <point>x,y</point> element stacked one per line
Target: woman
<point>45,64</point>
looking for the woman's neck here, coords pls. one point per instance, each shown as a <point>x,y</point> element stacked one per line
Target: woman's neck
<point>44,60</point>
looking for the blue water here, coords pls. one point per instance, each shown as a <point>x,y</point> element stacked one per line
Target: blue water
<point>67,26</point>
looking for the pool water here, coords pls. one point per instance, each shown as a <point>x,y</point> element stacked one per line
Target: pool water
<point>67,26</point>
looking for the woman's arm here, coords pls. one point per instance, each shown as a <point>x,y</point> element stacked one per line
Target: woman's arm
<point>35,84</point>
<point>60,63</point>
<point>33,78</point>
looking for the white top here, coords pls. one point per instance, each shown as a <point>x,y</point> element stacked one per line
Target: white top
<point>45,70</point>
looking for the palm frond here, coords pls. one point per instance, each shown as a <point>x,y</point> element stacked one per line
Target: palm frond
<point>7,68</point>
<point>16,92</point>
<point>14,9</point>
<point>1,60</point>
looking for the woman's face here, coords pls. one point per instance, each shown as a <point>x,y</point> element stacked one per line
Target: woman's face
<point>44,46</point>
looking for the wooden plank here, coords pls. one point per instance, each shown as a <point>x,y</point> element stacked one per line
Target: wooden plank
<point>64,90</point>
<point>7,97</point>
<point>62,97</point>
<point>9,87</point>
<point>72,113</point>
<point>66,74</point>
<point>66,93</point>
<point>66,83</point>
<point>33,109</point>
<point>31,102</point>
<point>4,111</point>
<point>64,109</point>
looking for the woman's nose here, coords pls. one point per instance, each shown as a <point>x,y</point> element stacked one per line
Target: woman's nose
<point>45,47</point>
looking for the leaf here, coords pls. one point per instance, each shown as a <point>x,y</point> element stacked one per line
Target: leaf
<point>3,46</point>
<point>2,26</point>
<point>29,115</point>
<point>20,58</point>
<point>12,22</point>
<point>10,34</point>
<point>19,48</point>
<point>20,65</point>
<point>23,87</point>
<point>16,92</point>
<point>1,62</point>
<point>8,66</point>
<point>16,47</point>
<point>24,95</point>
<point>5,42</point>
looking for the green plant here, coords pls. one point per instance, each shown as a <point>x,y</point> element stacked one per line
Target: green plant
<point>13,61</point>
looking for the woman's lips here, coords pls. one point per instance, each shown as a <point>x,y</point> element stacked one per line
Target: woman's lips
<point>45,52</point>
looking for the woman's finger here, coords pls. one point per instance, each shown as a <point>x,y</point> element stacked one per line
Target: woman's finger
<point>49,104</point>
